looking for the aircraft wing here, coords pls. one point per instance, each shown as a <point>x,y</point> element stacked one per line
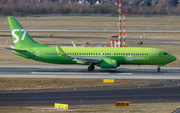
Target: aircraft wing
<point>86,59</point>
<point>79,59</point>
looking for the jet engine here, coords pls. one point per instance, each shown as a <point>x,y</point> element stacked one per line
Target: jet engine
<point>108,64</point>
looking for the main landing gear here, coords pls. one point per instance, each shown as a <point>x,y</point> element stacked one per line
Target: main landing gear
<point>158,69</point>
<point>91,67</point>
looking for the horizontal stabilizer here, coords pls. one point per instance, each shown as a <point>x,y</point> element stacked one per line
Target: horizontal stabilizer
<point>20,50</point>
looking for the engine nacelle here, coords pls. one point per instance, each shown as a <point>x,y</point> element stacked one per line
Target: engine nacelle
<point>108,64</point>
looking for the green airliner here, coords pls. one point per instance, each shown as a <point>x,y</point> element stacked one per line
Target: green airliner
<point>104,57</point>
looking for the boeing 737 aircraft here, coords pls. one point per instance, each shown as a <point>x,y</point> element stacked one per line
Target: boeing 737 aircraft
<point>104,57</point>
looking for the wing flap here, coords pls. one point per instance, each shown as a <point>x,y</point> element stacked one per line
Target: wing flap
<point>86,60</point>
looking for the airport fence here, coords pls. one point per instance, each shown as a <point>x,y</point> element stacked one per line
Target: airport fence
<point>96,15</point>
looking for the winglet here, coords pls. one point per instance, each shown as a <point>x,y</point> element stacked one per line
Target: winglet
<point>74,45</point>
<point>59,50</point>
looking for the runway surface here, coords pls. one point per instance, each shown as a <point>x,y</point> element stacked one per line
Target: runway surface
<point>156,93</point>
<point>99,30</point>
<point>131,73</point>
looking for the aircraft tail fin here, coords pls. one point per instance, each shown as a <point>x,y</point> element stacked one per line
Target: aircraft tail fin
<point>20,37</point>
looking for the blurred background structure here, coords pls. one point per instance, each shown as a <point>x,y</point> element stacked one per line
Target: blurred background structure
<point>35,7</point>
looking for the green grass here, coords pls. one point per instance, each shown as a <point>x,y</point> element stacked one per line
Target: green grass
<point>80,22</point>
<point>133,108</point>
<point>6,84</point>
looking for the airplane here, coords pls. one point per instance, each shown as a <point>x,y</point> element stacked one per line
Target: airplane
<point>104,57</point>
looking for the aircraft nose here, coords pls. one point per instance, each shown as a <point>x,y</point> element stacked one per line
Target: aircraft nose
<point>173,58</point>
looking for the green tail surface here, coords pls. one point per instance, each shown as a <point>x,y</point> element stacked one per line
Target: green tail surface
<point>20,37</point>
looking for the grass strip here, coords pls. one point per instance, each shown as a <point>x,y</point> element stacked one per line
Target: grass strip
<point>133,108</point>
<point>7,84</point>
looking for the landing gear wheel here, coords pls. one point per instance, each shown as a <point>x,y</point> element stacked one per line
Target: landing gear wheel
<point>91,67</point>
<point>158,69</point>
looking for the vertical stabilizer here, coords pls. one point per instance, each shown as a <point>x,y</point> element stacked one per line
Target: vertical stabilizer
<point>20,37</point>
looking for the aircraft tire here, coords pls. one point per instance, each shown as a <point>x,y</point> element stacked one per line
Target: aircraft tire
<point>158,69</point>
<point>91,68</point>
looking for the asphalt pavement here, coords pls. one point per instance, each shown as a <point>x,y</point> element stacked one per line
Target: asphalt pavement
<point>155,93</point>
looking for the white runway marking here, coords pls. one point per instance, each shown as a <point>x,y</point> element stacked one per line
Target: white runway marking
<point>74,73</point>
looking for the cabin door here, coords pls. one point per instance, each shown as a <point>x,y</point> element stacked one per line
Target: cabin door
<point>37,54</point>
<point>155,54</point>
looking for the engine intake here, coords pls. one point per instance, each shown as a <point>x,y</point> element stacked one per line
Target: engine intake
<point>108,64</point>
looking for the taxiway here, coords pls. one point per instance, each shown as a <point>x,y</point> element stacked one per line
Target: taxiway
<point>155,93</point>
<point>130,73</point>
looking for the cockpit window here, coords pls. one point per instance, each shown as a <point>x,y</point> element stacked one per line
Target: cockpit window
<point>165,53</point>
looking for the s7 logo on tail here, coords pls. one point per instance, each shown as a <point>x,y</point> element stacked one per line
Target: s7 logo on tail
<point>16,36</point>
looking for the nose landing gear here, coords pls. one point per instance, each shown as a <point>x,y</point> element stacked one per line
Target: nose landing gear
<point>91,67</point>
<point>158,69</point>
